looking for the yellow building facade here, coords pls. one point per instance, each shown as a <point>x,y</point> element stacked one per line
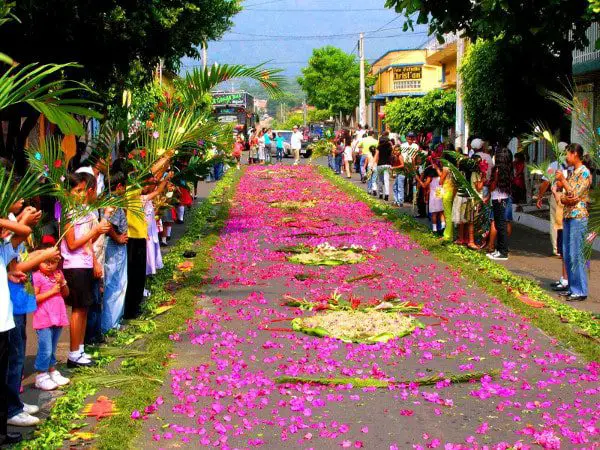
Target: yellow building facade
<point>410,73</point>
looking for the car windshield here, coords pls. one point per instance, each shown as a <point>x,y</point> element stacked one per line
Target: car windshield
<point>286,135</point>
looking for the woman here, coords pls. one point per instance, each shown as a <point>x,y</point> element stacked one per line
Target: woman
<point>448,191</point>
<point>383,159</point>
<point>500,187</point>
<point>347,154</point>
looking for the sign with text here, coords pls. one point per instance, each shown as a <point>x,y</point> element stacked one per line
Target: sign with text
<point>229,99</point>
<point>408,73</point>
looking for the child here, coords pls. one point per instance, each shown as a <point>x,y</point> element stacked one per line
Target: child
<point>48,321</point>
<point>436,207</point>
<point>19,413</point>
<point>279,147</point>
<point>153,255</point>
<point>6,320</point>
<point>115,263</point>
<point>80,265</point>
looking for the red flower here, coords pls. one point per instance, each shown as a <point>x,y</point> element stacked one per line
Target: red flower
<point>143,153</point>
<point>354,303</point>
<point>58,163</point>
<point>130,156</point>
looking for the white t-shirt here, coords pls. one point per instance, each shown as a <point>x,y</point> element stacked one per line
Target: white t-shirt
<point>7,254</point>
<point>348,153</point>
<point>296,140</point>
<point>406,149</point>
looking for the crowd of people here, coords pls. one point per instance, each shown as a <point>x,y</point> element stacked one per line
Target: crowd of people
<point>97,265</point>
<point>263,143</point>
<point>468,195</point>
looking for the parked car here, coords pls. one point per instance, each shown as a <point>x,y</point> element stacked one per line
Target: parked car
<point>287,146</point>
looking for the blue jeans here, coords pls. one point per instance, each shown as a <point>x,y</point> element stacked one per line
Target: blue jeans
<point>338,163</point>
<point>499,211</point>
<point>47,342</point>
<point>279,154</point>
<point>574,232</point>
<point>372,186</point>
<point>17,340</point>
<point>218,171</point>
<point>330,162</point>
<point>115,285</point>
<point>363,171</point>
<point>398,189</point>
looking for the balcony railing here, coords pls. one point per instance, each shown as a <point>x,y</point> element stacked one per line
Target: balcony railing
<point>589,53</point>
<point>433,44</point>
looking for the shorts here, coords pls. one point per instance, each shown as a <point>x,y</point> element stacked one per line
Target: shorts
<point>81,284</point>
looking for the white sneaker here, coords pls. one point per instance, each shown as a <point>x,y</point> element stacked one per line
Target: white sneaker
<point>23,420</point>
<point>31,409</point>
<point>493,254</point>
<point>44,382</point>
<point>58,378</point>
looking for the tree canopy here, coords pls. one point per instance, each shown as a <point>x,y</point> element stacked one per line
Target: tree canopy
<point>112,39</point>
<point>528,52</point>
<point>332,80</point>
<point>435,111</point>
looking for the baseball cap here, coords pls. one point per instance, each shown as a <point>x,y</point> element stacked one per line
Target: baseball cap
<point>477,144</point>
<point>85,169</point>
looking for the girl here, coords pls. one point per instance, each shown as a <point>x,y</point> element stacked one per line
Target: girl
<point>448,191</point>
<point>153,254</point>
<point>347,154</point>
<point>436,207</point>
<point>473,207</point>
<point>80,265</point>
<point>48,321</point>
<point>383,159</point>
<point>237,151</point>
<point>115,263</point>
<point>500,187</point>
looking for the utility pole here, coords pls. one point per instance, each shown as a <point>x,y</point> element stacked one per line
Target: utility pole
<point>461,129</point>
<point>362,108</point>
<point>204,55</point>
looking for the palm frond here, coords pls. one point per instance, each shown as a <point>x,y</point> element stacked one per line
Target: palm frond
<point>13,190</point>
<point>543,169</point>
<point>41,86</point>
<point>199,82</point>
<point>541,133</point>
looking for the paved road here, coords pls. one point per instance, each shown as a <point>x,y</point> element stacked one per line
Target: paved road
<point>531,257</point>
<point>221,390</point>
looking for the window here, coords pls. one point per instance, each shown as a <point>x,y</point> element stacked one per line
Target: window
<point>407,84</point>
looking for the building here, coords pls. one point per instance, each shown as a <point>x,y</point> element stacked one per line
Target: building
<point>411,73</point>
<point>586,78</point>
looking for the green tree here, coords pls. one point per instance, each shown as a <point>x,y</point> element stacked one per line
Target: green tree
<point>331,80</point>
<point>117,42</point>
<point>534,40</point>
<point>435,111</point>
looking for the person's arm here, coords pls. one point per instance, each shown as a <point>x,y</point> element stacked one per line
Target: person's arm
<point>74,243</point>
<point>543,189</point>
<point>161,187</point>
<point>376,158</point>
<point>574,192</point>
<point>479,183</point>
<point>64,287</point>
<point>36,258</point>
<point>400,163</point>
<point>442,173</point>
<point>42,297</point>
<point>159,166</point>
<point>494,181</point>
<point>16,227</point>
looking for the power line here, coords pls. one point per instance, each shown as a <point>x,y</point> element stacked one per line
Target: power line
<point>296,36</point>
<point>314,10</point>
<point>308,38</point>
<point>386,24</point>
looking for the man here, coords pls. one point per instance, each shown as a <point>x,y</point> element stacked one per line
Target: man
<point>268,146</point>
<point>556,208</point>
<point>296,144</point>
<point>575,220</point>
<point>408,150</point>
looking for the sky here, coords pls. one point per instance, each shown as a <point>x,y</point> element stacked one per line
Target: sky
<point>284,32</point>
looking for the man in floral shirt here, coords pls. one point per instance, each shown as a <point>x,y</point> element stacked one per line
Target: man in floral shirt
<point>575,220</point>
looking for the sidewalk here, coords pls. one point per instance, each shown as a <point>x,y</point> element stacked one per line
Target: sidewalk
<point>531,257</point>
<point>41,398</point>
